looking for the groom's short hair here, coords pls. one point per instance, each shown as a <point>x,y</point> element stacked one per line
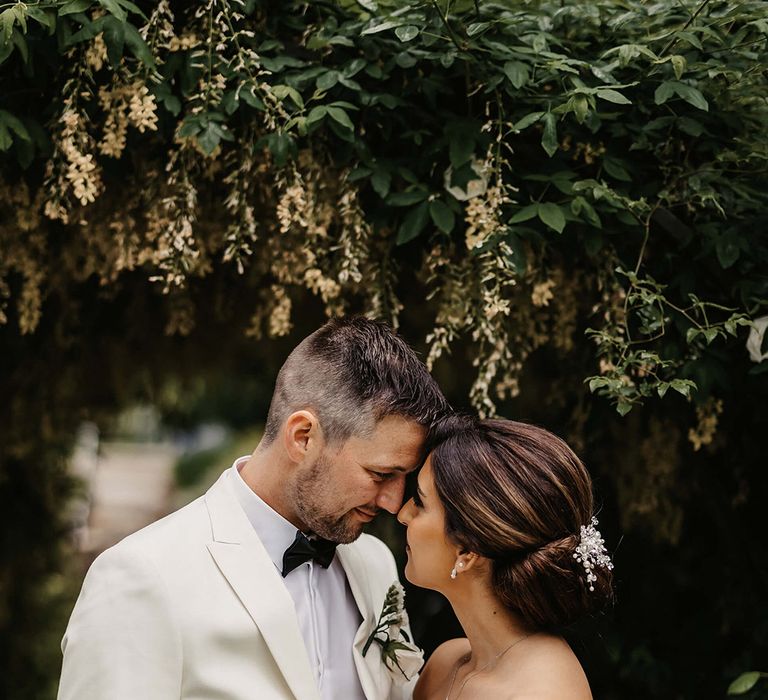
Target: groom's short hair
<point>352,372</point>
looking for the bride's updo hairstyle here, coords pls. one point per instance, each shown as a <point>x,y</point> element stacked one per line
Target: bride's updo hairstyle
<point>517,495</point>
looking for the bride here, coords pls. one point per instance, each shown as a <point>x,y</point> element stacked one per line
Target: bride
<point>502,525</point>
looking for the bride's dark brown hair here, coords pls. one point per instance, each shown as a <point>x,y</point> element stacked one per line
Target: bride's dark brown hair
<point>517,495</point>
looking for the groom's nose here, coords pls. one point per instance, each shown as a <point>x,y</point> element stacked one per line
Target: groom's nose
<point>390,496</point>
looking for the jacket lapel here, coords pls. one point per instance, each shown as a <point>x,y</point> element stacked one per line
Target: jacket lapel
<point>370,668</point>
<point>245,564</point>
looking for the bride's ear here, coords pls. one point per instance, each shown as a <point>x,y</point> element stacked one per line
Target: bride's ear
<point>465,561</point>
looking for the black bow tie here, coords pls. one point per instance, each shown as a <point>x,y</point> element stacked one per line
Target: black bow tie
<point>304,549</point>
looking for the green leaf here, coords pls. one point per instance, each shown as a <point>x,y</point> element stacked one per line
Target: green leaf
<point>358,173</point>
<point>525,214</point>
<point>113,7</point>
<point>683,386</point>
<point>20,9</point>
<point>317,114</point>
<point>7,20</point>
<point>477,27</point>
<point>615,168</point>
<point>132,7</point>
<point>664,92</point>
<point>281,146</point>
<point>517,73</point>
<point>710,334</point>
<point>407,32</point>
<point>14,124</point>
<point>690,126</point>
<point>404,199</point>
<point>251,99</point>
<point>413,224</point>
<point>230,103</point>
<point>327,80</point>
<point>580,106</point>
<point>381,181</point>
<point>744,683</point>
<point>5,138</point>
<point>380,27</point>
<point>354,67</point>
<point>138,46</point>
<point>579,206</point>
<point>21,45</point>
<point>692,96</point>
<point>442,215</point>
<point>551,215</point>
<point>114,38</point>
<point>74,6</point>
<point>662,389</point>
<point>613,96</point>
<point>283,91</point>
<point>340,116</point>
<point>527,120</point>
<point>679,64</point>
<point>461,147</point>
<point>728,250</point>
<point>691,38</point>
<point>209,137</point>
<point>549,137</point>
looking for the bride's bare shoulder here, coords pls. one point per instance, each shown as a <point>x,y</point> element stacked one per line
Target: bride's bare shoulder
<point>549,671</point>
<point>439,667</point>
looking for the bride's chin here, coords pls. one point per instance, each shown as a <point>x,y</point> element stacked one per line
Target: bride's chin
<point>408,573</point>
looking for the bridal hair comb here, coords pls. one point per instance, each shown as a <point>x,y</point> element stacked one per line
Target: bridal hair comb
<point>591,551</point>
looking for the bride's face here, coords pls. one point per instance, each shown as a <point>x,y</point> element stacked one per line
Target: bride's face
<point>431,556</point>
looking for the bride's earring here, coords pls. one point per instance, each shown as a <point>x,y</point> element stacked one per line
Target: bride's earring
<point>453,570</point>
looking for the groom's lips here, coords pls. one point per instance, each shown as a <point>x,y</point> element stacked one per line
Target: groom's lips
<point>365,515</point>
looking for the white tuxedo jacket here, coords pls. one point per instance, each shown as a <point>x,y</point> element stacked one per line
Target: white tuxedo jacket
<point>192,607</point>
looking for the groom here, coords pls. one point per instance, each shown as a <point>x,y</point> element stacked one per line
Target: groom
<point>244,593</point>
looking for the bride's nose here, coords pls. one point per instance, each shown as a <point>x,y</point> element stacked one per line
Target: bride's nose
<point>404,515</point>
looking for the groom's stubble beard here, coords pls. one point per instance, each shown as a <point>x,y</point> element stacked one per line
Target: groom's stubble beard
<point>314,495</point>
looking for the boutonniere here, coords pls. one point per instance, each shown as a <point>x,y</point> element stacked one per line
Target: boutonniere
<point>402,658</point>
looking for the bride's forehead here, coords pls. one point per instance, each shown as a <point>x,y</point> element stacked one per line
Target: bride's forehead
<point>424,477</point>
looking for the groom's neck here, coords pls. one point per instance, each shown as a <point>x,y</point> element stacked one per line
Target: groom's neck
<point>267,473</point>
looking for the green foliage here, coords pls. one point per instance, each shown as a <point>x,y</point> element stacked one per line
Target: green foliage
<point>623,136</point>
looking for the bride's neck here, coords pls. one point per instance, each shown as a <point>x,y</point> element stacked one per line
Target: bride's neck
<point>490,627</point>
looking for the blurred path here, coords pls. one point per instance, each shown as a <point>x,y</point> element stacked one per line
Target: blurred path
<point>130,487</point>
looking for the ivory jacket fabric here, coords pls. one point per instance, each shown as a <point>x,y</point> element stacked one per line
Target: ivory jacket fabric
<point>192,607</point>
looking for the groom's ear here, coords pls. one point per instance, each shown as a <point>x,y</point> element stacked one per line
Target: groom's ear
<point>302,436</point>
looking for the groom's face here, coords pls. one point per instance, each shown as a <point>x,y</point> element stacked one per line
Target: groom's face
<point>347,485</point>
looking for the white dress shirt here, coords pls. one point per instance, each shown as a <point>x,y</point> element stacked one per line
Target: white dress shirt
<point>326,610</point>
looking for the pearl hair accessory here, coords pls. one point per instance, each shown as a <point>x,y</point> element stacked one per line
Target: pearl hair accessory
<point>591,551</point>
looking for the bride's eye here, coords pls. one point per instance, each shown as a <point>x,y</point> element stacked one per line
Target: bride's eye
<point>417,500</point>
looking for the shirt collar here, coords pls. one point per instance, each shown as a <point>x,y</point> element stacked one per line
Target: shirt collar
<point>274,531</point>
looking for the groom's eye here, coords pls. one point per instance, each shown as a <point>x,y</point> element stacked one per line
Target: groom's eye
<point>380,476</point>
